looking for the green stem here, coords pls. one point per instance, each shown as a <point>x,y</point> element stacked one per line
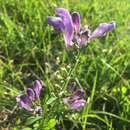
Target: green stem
<point>88,105</point>
<point>71,71</point>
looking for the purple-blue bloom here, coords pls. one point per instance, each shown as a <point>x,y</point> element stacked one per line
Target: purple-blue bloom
<point>76,21</point>
<point>37,88</point>
<point>77,104</point>
<point>101,30</point>
<point>56,22</point>
<point>83,36</point>
<point>30,94</point>
<point>24,102</point>
<point>38,110</point>
<point>63,22</point>
<point>79,93</point>
<point>34,92</point>
<point>70,25</point>
<point>75,101</point>
<point>68,31</point>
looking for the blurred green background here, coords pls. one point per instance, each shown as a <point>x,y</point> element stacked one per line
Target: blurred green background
<point>30,49</point>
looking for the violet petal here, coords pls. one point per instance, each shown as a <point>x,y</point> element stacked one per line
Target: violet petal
<point>78,104</point>
<point>102,29</point>
<point>75,101</point>
<point>80,93</point>
<point>68,25</point>
<point>38,110</point>
<point>31,94</point>
<point>84,36</point>
<point>56,22</point>
<point>37,88</point>
<point>77,95</point>
<point>24,102</point>
<point>76,21</point>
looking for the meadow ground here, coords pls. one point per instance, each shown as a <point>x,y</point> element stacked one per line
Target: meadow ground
<point>30,49</point>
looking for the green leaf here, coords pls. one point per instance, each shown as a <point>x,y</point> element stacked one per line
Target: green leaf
<point>32,120</point>
<point>27,128</point>
<point>52,99</point>
<point>50,124</point>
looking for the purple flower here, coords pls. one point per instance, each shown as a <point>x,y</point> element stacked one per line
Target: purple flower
<point>24,102</point>
<point>75,101</point>
<point>101,30</point>
<point>79,93</point>
<point>68,31</point>
<point>34,92</point>
<point>38,110</point>
<point>77,104</point>
<point>56,22</point>
<point>83,36</point>
<point>37,88</point>
<point>76,21</point>
<point>70,25</point>
<point>63,22</point>
<point>30,94</point>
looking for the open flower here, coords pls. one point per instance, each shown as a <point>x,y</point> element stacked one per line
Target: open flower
<point>30,94</point>
<point>25,101</point>
<point>83,36</point>
<point>76,21</point>
<point>102,29</point>
<point>75,101</point>
<point>63,22</point>
<point>56,22</point>
<point>70,25</point>
<point>77,104</point>
<point>38,110</point>
<point>37,88</point>
<point>34,92</point>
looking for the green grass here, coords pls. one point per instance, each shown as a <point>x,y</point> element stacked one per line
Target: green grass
<point>30,49</point>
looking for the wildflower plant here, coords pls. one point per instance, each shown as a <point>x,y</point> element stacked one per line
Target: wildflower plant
<point>64,64</point>
<point>70,25</point>
<point>26,101</point>
<point>75,101</point>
